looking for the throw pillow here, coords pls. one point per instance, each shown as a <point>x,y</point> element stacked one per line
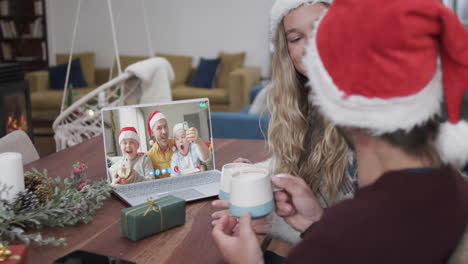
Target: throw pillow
<point>58,73</point>
<point>205,73</point>
<point>229,63</point>
<point>87,60</point>
<point>182,66</point>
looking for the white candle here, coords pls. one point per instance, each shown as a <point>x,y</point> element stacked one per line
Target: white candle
<point>11,174</point>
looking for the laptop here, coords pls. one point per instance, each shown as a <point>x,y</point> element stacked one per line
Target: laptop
<point>191,174</point>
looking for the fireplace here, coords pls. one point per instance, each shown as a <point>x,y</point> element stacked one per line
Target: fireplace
<point>15,106</point>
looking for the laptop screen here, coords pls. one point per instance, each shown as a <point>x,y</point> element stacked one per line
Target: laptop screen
<point>146,142</point>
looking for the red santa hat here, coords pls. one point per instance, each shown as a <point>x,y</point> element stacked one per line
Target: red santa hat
<point>128,133</point>
<point>281,8</point>
<point>389,65</point>
<point>152,119</point>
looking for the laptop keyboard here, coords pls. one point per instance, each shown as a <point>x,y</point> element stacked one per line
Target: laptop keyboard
<point>171,184</point>
<point>186,194</point>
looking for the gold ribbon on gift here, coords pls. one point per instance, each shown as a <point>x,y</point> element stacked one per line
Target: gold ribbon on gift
<point>5,254</point>
<point>151,207</point>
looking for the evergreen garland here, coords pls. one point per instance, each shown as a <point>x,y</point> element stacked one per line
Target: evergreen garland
<point>48,202</point>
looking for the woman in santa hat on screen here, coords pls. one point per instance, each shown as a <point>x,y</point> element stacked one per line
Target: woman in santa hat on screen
<point>393,75</point>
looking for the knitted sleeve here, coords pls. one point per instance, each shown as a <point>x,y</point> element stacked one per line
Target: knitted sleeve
<point>283,231</point>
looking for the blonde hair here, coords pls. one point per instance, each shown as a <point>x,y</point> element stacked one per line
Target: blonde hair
<point>303,143</point>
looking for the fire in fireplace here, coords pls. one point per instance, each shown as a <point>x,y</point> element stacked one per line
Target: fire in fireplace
<point>15,108</point>
<point>16,121</point>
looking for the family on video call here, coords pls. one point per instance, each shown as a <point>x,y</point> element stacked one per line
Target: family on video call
<point>171,154</point>
<point>368,108</point>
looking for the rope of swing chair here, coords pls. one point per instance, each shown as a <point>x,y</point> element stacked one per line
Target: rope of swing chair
<point>114,39</point>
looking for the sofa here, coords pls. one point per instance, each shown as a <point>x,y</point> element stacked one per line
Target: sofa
<point>232,84</point>
<point>241,125</point>
<point>46,102</point>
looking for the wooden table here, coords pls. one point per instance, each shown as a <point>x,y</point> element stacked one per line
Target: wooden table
<point>190,243</point>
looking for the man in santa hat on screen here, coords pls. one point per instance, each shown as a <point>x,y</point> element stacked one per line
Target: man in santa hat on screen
<point>163,147</point>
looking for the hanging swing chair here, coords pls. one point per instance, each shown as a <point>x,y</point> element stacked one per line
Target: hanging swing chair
<point>147,81</point>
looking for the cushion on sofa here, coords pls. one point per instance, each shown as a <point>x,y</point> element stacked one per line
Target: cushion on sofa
<point>87,60</point>
<point>182,66</point>
<point>206,72</point>
<point>58,74</point>
<point>229,62</point>
<point>216,95</point>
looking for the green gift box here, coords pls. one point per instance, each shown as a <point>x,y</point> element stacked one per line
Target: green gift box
<point>152,217</point>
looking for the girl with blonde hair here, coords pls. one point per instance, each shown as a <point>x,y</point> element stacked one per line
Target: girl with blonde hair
<point>302,142</point>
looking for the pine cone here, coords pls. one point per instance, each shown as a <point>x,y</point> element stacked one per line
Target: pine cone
<point>32,181</point>
<point>26,200</point>
<point>44,192</point>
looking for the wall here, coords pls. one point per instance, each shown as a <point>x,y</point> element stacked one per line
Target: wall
<point>186,27</point>
<point>460,7</point>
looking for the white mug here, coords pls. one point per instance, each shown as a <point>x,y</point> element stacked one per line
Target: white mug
<point>226,174</point>
<point>252,192</point>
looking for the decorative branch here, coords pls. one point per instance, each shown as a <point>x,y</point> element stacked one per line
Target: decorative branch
<point>48,202</point>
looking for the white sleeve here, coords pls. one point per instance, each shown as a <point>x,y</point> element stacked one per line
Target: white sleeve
<point>147,167</point>
<point>194,149</point>
<point>283,231</point>
<point>266,164</point>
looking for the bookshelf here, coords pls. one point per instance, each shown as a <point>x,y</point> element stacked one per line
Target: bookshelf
<point>23,34</point>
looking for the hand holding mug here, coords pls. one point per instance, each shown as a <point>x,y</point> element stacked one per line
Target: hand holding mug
<point>237,246</point>
<point>296,203</point>
<point>261,226</point>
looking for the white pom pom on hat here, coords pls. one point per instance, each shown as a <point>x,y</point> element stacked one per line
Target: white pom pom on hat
<point>452,143</point>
